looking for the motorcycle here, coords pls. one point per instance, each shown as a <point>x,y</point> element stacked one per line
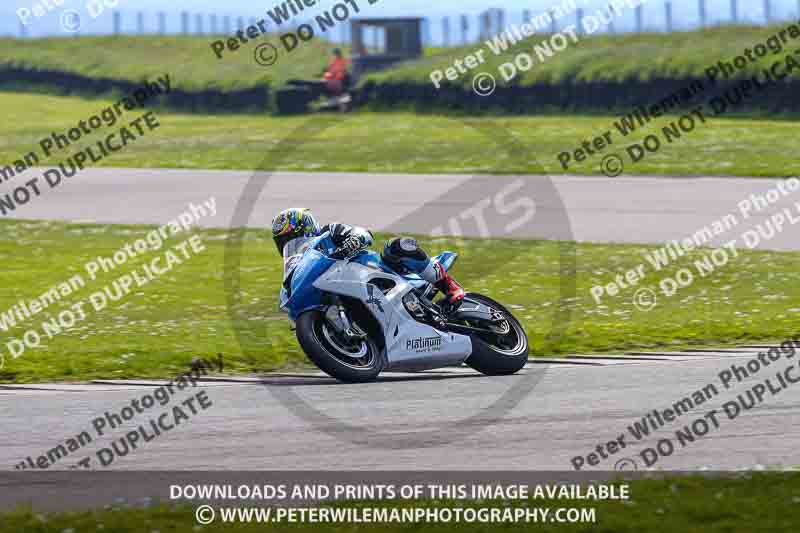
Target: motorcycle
<point>355,317</point>
<point>300,96</point>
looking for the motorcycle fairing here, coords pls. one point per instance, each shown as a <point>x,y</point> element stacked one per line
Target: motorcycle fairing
<point>301,295</point>
<point>410,345</point>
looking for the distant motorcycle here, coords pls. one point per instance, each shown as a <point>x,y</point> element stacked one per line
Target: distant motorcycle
<point>355,317</point>
<point>300,96</point>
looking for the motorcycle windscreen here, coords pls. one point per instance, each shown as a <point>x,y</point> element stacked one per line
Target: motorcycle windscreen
<point>292,252</point>
<point>303,295</point>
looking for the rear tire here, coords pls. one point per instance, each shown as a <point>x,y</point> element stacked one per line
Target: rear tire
<point>491,359</point>
<point>346,363</point>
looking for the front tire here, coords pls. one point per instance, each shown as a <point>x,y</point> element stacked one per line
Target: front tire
<point>501,354</point>
<point>346,361</point>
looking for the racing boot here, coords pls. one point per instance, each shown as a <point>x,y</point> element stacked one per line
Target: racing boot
<point>453,292</point>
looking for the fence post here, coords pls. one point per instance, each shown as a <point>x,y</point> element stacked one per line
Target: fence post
<point>140,23</point>
<point>184,22</point>
<point>501,20</point>
<point>239,23</point>
<point>198,24</point>
<point>612,12</point>
<point>735,11</point>
<point>446,31</point>
<point>465,28</point>
<point>668,15</point>
<point>226,25</point>
<point>526,16</point>
<point>639,19</point>
<point>553,21</point>
<point>701,6</point>
<point>23,31</point>
<point>767,11</point>
<point>162,22</point>
<point>428,35</point>
<point>578,19</point>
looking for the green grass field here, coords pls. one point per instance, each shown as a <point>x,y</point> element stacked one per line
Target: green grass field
<point>612,58</point>
<point>193,66</point>
<point>158,328</point>
<point>189,60</point>
<point>399,142</point>
<point>750,503</point>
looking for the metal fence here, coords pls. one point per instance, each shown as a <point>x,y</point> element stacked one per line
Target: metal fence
<point>437,31</point>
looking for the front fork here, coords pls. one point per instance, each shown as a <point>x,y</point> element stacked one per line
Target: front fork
<point>336,316</point>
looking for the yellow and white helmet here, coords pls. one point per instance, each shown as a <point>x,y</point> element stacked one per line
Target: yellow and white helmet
<point>292,223</point>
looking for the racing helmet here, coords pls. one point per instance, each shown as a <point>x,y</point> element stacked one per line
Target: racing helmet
<point>292,223</point>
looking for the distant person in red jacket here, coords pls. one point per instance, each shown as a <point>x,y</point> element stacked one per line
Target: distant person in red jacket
<point>337,75</point>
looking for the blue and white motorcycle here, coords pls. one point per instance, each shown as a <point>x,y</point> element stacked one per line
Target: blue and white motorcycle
<point>355,317</point>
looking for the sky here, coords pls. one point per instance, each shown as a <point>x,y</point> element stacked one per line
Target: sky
<point>685,12</point>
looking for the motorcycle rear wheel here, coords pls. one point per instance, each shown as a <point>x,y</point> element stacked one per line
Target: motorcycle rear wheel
<point>503,353</point>
<point>349,362</point>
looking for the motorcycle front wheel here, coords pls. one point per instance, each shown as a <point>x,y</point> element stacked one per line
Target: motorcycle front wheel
<point>351,361</point>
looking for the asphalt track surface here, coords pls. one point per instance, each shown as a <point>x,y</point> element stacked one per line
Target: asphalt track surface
<point>414,422</point>
<point>417,422</point>
<point>599,209</point>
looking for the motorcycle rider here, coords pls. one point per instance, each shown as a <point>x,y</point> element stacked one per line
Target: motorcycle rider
<point>337,75</point>
<point>293,228</point>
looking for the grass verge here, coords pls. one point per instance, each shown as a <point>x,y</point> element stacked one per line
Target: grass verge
<point>391,142</point>
<point>157,329</point>
<point>605,58</point>
<point>191,62</point>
